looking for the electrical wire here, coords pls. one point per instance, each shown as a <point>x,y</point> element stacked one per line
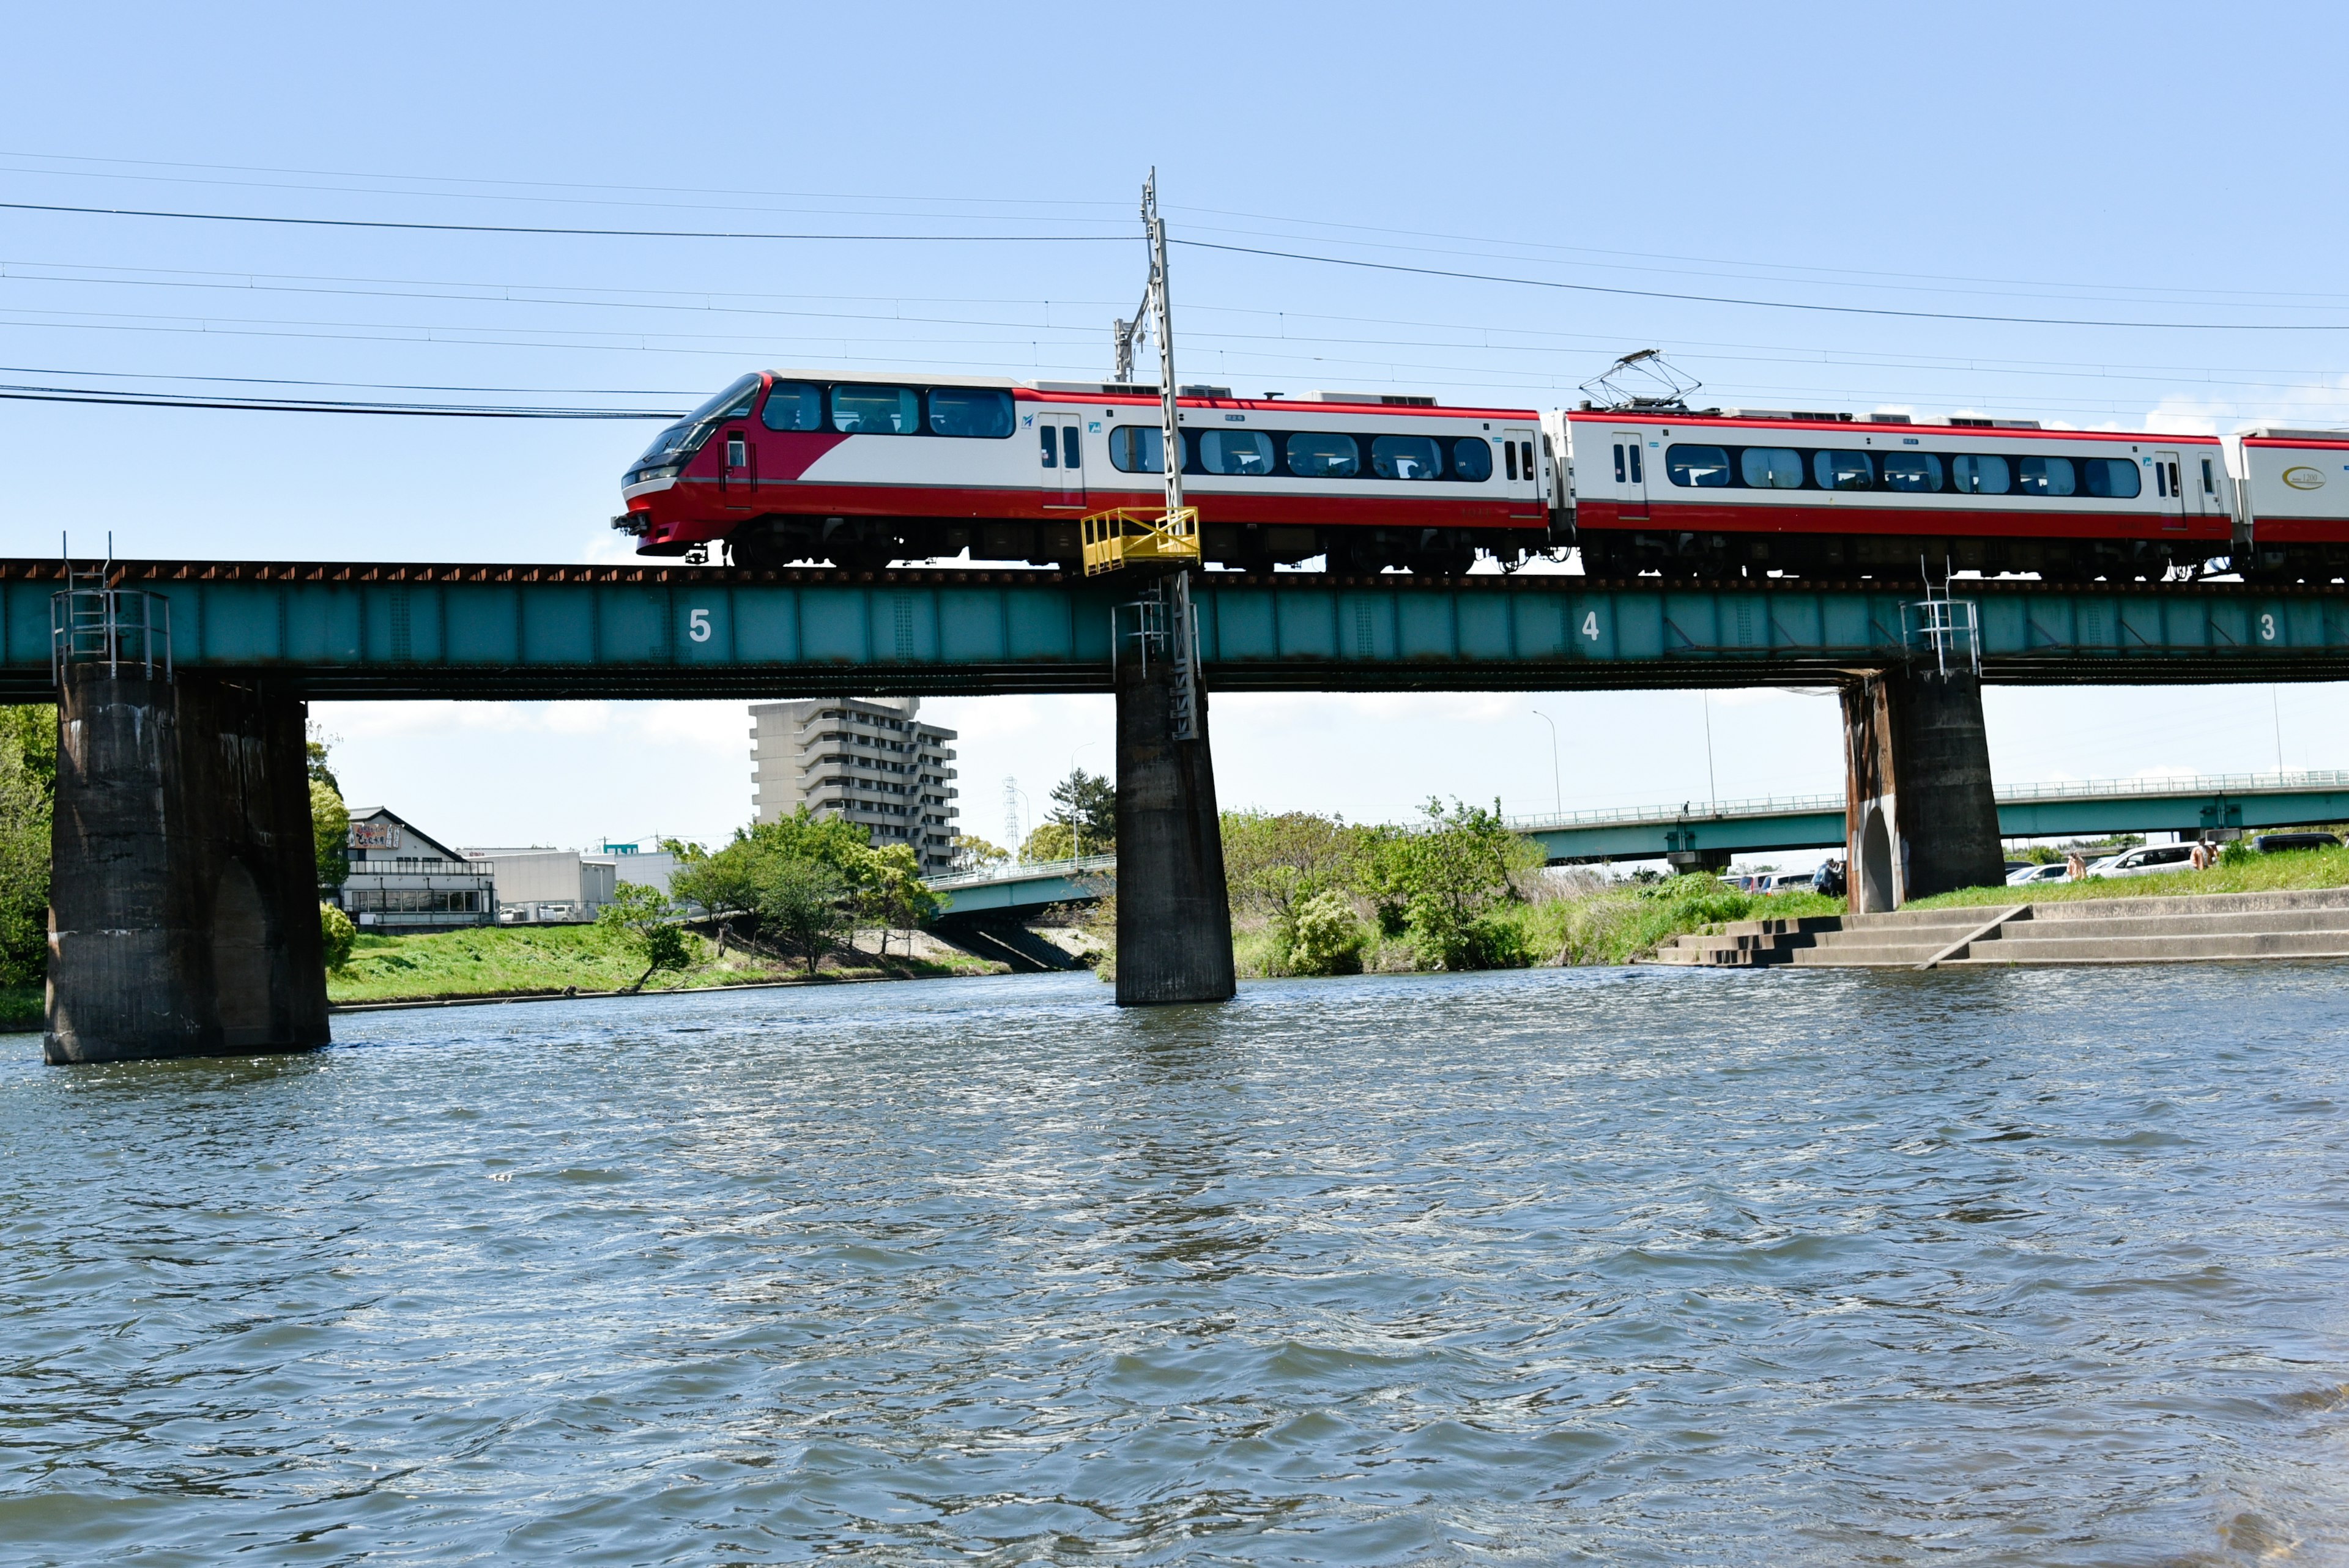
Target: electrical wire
<point>1760,303</point>
<point>537,229</point>
<point>31,394</point>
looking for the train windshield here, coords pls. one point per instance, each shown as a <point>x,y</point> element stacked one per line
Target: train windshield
<point>684,438</point>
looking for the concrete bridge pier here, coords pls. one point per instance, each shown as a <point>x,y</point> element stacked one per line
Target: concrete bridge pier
<point>1920,817</point>
<point>1173,913</point>
<point>183,916</point>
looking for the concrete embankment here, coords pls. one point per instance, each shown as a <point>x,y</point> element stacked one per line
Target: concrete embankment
<point>2207,928</point>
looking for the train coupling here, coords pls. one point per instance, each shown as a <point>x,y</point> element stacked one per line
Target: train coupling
<point>637,523</point>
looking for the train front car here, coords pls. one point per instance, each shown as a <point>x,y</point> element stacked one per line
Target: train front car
<point>809,465</point>
<point>1738,491</point>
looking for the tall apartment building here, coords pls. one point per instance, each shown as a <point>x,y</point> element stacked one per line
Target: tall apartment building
<point>869,760</point>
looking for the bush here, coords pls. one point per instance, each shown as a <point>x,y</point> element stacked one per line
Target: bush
<point>339,934</point>
<point>1329,939</point>
<point>2237,852</point>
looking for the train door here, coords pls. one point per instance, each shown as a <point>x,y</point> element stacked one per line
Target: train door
<point>2170,490</point>
<point>1524,470</point>
<point>740,480</point>
<point>1060,451</point>
<point>1631,475</point>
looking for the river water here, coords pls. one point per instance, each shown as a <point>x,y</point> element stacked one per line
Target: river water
<point>1614,1266</point>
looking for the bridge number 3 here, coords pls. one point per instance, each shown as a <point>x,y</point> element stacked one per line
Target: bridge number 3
<point>2267,628</point>
<point>1590,626</point>
<point>697,625</point>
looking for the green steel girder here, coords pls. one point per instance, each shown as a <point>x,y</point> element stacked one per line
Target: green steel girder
<point>392,631</point>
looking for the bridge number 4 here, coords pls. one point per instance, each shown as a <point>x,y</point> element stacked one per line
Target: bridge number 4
<point>2267,628</point>
<point>697,625</point>
<point>1590,626</point>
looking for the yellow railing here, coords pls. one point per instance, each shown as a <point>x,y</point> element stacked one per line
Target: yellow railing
<point>1130,536</point>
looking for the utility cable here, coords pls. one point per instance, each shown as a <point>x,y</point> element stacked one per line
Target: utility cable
<point>564,232</point>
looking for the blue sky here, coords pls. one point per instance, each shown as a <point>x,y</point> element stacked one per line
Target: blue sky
<point>2087,163</point>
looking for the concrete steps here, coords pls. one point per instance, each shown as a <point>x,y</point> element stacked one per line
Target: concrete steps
<point>2210,928</point>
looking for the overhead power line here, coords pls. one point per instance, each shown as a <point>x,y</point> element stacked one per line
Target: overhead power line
<point>1764,304</point>
<point>33,394</point>
<point>539,229</point>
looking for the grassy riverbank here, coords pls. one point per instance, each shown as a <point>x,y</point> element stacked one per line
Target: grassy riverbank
<point>519,960</point>
<point>2291,870</point>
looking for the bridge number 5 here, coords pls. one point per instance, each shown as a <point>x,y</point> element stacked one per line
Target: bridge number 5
<point>1590,626</point>
<point>2267,628</point>
<point>697,625</point>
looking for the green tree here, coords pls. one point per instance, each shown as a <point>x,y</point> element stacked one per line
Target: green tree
<point>890,891</point>
<point>337,933</point>
<point>1276,862</point>
<point>29,781</point>
<point>645,921</point>
<point>1049,841</point>
<point>975,854</point>
<point>802,905</point>
<point>1327,938</point>
<point>1086,804</point>
<point>1449,880</point>
<point>330,833</point>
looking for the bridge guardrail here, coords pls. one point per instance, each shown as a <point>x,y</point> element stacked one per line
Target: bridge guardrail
<point>1032,870</point>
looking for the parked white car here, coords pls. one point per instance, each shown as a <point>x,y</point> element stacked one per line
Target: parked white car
<point>2048,871</point>
<point>2152,861</point>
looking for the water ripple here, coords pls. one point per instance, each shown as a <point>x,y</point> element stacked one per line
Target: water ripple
<point>2023,1268</point>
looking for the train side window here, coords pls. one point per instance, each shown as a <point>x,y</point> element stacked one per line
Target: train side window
<point>2160,480</point>
<point>2116,478</point>
<point>1619,462</point>
<point>1771,468</point>
<point>876,410</point>
<point>1913,471</point>
<point>1982,476</point>
<point>1051,452</point>
<point>1322,457</point>
<point>1843,471</point>
<point>1072,452</point>
<point>1235,452</point>
<point>1638,477</point>
<point>983,412</point>
<point>794,405</point>
<point>1526,459</point>
<point>1406,457</point>
<point>1472,460</point>
<point>2047,476</point>
<point>1707,467</point>
<point>1510,456</point>
<point>1137,450</point>
<point>2209,484</point>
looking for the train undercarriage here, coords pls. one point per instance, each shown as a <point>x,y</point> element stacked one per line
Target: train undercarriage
<point>868,544</point>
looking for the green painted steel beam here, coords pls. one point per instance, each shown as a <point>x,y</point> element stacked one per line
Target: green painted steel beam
<point>390,631</point>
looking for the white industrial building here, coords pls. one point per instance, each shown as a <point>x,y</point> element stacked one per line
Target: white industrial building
<point>541,886</point>
<point>868,761</point>
<point>403,880</point>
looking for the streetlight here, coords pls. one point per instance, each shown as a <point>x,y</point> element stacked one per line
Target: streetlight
<point>1557,791</point>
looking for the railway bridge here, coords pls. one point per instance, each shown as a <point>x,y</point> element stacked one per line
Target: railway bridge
<point>183,919</point>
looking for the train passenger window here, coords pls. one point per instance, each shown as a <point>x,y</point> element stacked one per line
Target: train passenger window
<point>2209,486</point>
<point>1472,460</point>
<point>2160,481</point>
<point>1526,459</point>
<point>1913,471</point>
<point>1510,456</point>
<point>1052,451</point>
<point>1982,476</point>
<point>1235,452</point>
<point>1843,471</point>
<point>1322,457</point>
<point>794,405</point>
<point>1707,467</point>
<point>1771,468</point>
<point>1406,457</point>
<point>980,411</point>
<point>876,410</point>
<point>2114,477</point>
<point>1072,452</point>
<point>1638,478</point>
<point>1137,450</point>
<point>1619,462</point>
<point>2046,476</point>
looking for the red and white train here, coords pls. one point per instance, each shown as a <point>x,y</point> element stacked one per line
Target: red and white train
<point>808,464</point>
